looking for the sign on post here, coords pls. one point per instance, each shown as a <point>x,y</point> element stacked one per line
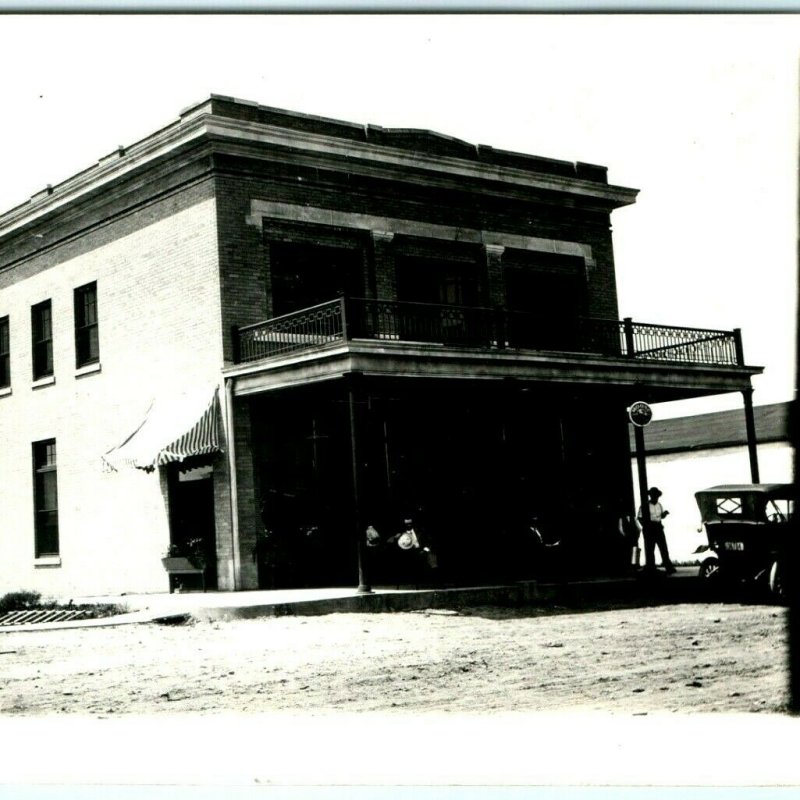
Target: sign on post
<point>640,414</point>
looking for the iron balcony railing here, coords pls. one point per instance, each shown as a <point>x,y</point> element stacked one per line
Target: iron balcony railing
<point>346,319</point>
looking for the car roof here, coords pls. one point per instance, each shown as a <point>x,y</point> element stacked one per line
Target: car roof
<point>781,489</point>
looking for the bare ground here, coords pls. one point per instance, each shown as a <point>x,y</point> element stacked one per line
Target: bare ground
<point>671,658</point>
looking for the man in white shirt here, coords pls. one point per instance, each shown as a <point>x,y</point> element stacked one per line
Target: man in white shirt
<point>654,532</point>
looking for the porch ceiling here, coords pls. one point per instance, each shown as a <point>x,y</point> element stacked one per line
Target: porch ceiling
<point>654,381</point>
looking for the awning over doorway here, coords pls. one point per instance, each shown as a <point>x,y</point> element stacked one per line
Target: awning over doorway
<point>174,428</point>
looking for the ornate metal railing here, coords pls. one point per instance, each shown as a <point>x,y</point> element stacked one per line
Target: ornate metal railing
<point>687,345</point>
<point>392,320</point>
<point>467,326</point>
<point>298,330</point>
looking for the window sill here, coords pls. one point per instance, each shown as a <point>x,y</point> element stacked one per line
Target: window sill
<point>47,561</point>
<point>89,369</point>
<point>42,382</point>
<point>5,391</point>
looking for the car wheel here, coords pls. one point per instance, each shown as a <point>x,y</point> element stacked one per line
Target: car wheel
<point>777,585</point>
<point>709,570</point>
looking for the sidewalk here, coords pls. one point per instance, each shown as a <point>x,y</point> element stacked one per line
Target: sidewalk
<point>164,607</point>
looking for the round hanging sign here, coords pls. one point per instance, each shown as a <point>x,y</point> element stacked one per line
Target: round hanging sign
<point>640,414</point>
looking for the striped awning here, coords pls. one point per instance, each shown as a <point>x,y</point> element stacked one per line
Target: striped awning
<point>174,428</point>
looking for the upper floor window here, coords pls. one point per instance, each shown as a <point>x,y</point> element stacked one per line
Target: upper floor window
<point>42,329</point>
<point>45,498</point>
<point>431,280</point>
<point>87,341</point>
<point>5,354</point>
<point>305,274</point>
<point>442,273</point>
<point>311,264</point>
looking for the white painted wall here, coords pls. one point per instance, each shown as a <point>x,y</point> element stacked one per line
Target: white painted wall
<point>159,321</point>
<point>680,475</point>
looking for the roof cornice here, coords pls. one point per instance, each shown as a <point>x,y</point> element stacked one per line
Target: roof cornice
<point>383,155</point>
<point>107,170</point>
<point>201,121</point>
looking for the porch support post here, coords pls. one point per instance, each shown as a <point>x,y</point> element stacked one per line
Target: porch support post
<point>644,500</point>
<point>630,342</point>
<point>750,423</point>
<point>353,385</point>
<point>234,494</point>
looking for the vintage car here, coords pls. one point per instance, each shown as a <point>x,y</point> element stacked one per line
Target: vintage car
<point>747,526</point>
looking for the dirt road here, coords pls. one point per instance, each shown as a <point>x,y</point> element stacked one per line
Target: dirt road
<point>681,658</point>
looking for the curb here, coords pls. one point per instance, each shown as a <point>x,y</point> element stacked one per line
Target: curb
<point>678,588</point>
<point>674,589</point>
<point>377,602</point>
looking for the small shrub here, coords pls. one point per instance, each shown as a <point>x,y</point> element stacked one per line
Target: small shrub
<point>19,601</point>
<point>29,601</point>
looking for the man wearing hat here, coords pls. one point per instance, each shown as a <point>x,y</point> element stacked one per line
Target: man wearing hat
<point>654,532</point>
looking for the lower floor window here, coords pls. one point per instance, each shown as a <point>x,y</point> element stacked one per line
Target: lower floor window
<point>45,498</point>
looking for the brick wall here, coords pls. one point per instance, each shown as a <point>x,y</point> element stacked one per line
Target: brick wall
<point>178,263</point>
<point>249,521</point>
<point>245,259</point>
<point>158,300</point>
<point>245,277</point>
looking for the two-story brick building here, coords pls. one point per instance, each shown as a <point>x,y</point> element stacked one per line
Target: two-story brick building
<point>256,319</point>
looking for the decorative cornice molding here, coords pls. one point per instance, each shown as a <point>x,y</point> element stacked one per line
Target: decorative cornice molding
<point>107,170</point>
<point>360,156</point>
<point>384,155</point>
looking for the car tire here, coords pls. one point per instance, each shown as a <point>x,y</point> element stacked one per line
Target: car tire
<point>777,584</point>
<point>710,580</point>
<point>709,571</point>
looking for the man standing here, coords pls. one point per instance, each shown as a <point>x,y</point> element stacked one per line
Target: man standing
<point>654,533</point>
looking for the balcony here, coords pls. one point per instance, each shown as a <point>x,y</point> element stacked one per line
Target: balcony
<point>391,339</point>
<point>387,322</point>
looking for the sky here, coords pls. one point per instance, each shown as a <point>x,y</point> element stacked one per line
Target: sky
<point>697,112</point>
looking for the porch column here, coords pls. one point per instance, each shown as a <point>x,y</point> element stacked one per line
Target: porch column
<point>243,571</point>
<point>230,578</point>
<point>354,396</point>
<point>383,264</point>
<point>750,423</point>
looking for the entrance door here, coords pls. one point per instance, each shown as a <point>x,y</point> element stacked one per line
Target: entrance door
<point>192,515</point>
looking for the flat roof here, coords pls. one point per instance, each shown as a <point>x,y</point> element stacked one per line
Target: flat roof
<point>224,118</point>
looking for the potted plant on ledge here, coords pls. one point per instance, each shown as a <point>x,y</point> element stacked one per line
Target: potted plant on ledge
<point>185,559</point>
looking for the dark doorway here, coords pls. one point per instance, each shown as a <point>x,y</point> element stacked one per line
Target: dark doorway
<point>546,295</point>
<point>192,517</point>
<point>305,488</point>
<point>304,275</point>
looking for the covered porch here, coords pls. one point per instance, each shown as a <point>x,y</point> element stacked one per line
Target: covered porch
<point>359,413</point>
